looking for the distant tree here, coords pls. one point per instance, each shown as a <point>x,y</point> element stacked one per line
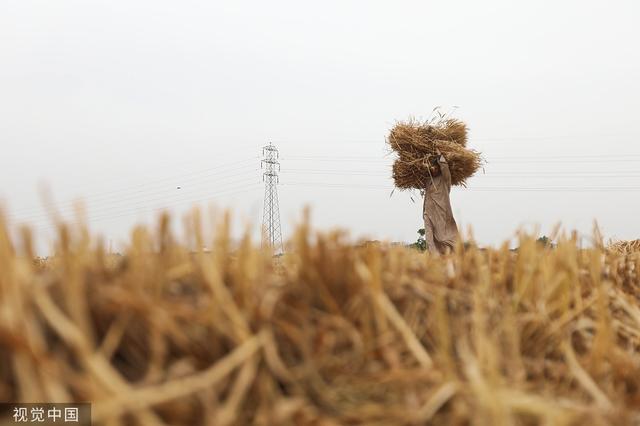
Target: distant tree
<point>421,243</point>
<point>545,241</point>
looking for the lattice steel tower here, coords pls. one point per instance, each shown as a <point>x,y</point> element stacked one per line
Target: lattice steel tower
<point>271,231</point>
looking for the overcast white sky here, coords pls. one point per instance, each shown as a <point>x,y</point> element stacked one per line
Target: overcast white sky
<point>120,102</point>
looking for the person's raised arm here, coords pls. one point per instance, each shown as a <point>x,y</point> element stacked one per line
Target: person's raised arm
<point>444,167</point>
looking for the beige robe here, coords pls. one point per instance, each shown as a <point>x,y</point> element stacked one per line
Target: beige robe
<point>441,230</point>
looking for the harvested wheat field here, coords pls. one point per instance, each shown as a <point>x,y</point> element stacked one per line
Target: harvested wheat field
<point>330,334</point>
<point>625,247</point>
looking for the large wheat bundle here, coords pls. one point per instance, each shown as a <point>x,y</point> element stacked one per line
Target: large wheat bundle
<point>415,142</point>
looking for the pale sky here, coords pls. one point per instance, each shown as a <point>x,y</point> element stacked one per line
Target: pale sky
<point>120,102</point>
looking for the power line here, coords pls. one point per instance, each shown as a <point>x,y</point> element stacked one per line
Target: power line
<point>110,203</point>
<point>562,189</point>
<point>112,200</point>
<point>225,166</point>
<point>472,139</point>
<point>510,175</point>
<point>541,160</point>
<point>230,191</point>
<point>117,205</point>
<point>506,188</point>
<point>125,195</point>
<point>550,159</point>
<point>567,157</point>
<point>107,201</point>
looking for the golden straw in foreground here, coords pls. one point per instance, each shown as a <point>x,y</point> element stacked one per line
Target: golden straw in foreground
<point>329,334</point>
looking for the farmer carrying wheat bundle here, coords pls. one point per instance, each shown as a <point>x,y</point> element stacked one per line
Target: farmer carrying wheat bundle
<point>432,157</point>
<point>440,229</point>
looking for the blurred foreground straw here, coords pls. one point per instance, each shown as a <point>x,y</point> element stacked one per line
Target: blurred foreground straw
<point>331,333</point>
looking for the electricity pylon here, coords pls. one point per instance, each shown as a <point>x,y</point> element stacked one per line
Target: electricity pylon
<point>271,231</point>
